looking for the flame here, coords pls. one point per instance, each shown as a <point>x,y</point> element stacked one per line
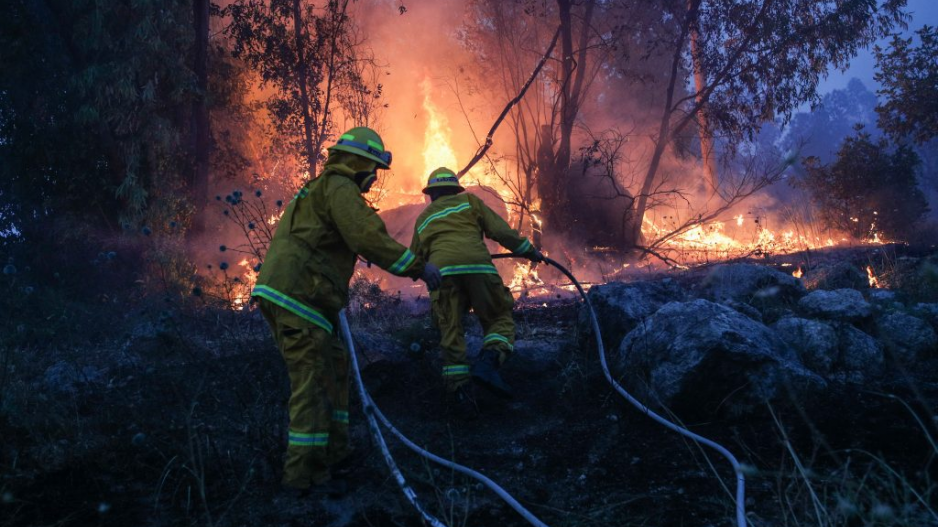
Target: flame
<point>437,151</point>
<point>874,282</point>
<point>798,273</point>
<point>739,220</point>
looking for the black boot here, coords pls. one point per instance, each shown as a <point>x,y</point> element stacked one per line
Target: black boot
<point>485,372</point>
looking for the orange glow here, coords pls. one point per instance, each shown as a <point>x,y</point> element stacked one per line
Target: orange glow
<point>874,282</point>
<point>437,137</point>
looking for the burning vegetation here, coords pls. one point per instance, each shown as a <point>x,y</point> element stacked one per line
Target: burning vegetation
<point>662,151</point>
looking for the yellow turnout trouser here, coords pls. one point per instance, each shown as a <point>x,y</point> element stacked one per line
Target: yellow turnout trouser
<point>318,367</point>
<point>491,301</point>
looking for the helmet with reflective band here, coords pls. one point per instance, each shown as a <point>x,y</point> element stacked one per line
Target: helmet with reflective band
<point>442,178</point>
<point>364,142</point>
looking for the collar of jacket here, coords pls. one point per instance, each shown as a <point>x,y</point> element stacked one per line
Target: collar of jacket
<point>338,169</point>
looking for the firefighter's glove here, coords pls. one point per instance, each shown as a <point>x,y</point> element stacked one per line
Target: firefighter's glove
<point>536,255</point>
<point>431,275</point>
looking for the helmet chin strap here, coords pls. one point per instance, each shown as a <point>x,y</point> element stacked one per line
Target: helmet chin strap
<point>363,179</point>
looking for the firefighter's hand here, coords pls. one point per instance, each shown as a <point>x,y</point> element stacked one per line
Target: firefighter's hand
<point>431,275</point>
<point>536,255</point>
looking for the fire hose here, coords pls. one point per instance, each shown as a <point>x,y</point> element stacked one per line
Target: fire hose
<point>371,411</point>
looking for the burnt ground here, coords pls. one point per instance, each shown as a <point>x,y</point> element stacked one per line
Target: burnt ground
<point>184,424</point>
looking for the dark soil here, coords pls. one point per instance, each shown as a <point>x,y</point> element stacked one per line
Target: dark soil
<point>187,427</point>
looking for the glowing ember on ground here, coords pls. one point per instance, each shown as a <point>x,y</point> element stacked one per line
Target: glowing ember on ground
<point>874,282</point>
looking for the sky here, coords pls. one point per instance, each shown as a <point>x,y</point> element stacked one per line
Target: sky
<point>863,67</point>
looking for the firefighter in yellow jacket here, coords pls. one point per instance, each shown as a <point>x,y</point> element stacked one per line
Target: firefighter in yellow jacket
<point>303,284</point>
<point>449,235</point>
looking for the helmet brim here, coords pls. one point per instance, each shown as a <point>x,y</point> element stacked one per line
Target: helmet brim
<point>361,153</point>
<point>428,188</point>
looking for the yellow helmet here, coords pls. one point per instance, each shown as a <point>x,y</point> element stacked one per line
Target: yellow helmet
<point>364,142</point>
<point>442,178</point>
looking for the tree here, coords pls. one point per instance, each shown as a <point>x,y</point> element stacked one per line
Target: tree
<point>96,102</point>
<point>909,78</point>
<point>870,189</point>
<point>308,55</point>
<point>762,58</point>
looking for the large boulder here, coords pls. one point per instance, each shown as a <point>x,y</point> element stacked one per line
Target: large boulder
<point>840,276</point>
<point>907,338</point>
<point>621,306</point>
<point>836,351</point>
<point>928,312</point>
<point>839,304</point>
<point>815,342</point>
<point>769,291</point>
<point>860,357</point>
<point>749,282</point>
<point>703,356</point>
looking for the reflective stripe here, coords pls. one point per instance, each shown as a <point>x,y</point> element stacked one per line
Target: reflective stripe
<point>292,306</point>
<point>340,416</point>
<point>350,137</point>
<point>523,248</point>
<point>376,145</point>
<point>459,369</point>
<point>402,263</point>
<point>302,439</point>
<point>468,269</point>
<point>442,213</point>
<point>495,337</point>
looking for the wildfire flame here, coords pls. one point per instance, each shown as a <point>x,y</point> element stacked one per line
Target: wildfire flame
<point>437,151</point>
<point>874,282</point>
<point>798,273</point>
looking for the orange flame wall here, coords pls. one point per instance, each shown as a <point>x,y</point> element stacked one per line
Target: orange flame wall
<point>423,124</point>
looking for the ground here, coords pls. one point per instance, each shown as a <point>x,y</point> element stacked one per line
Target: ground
<point>182,422</point>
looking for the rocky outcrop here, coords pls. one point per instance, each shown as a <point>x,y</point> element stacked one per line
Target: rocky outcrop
<point>840,276</point>
<point>841,304</point>
<point>860,356</point>
<point>751,283</point>
<point>907,338</point>
<point>622,306</point>
<point>836,351</point>
<point>709,357</point>
<point>814,342</point>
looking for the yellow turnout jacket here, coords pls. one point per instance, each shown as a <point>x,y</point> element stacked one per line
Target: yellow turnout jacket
<point>312,255</point>
<point>449,234</point>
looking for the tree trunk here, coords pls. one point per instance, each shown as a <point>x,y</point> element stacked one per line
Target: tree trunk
<point>302,69</point>
<point>201,132</point>
<point>664,137</point>
<point>707,154</point>
<point>338,18</point>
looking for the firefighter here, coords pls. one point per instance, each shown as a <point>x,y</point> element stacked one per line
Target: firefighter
<point>449,235</point>
<point>302,286</point>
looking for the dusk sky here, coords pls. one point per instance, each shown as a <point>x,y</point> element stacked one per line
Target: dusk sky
<point>863,67</point>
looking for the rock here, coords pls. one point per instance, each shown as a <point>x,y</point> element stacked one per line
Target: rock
<point>745,309</point>
<point>64,377</point>
<point>882,296</point>
<point>840,352</point>
<point>929,312</point>
<point>705,356</point>
<point>621,306</point>
<point>906,338</point>
<point>815,342</point>
<point>749,282</point>
<point>860,356</point>
<point>840,276</point>
<point>840,304</point>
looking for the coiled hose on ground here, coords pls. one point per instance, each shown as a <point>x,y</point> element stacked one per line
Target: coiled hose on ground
<point>371,410</point>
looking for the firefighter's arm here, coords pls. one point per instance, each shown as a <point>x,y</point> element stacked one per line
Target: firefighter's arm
<point>498,229</point>
<point>365,233</point>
